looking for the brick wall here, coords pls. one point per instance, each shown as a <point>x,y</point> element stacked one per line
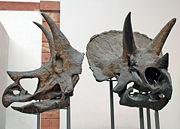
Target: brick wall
<point>49,120</point>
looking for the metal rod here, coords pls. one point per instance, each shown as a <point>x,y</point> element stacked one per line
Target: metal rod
<point>141,118</point>
<point>111,104</point>
<point>69,115</point>
<point>157,120</point>
<point>38,121</point>
<point>148,118</point>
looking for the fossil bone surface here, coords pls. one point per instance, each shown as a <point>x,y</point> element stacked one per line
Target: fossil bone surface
<point>137,63</point>
<point>56,78</point>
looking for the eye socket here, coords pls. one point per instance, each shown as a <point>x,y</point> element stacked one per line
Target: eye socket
<point>152,75</point>
<point>59,62</point>
<point>56,88</point>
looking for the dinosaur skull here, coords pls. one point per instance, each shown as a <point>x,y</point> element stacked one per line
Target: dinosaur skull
<point>57,77</point>
<point>133,58</point>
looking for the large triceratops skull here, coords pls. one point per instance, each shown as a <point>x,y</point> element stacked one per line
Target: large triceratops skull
<point>133,58</point>
<point>57,77</point>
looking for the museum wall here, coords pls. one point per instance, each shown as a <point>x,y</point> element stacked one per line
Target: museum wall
<point>80,20</point>
<point>24,54</point>
<point>4,45</point>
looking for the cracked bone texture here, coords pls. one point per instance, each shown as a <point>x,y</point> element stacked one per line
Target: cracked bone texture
<point>56,78</point>
<point>129,57</point>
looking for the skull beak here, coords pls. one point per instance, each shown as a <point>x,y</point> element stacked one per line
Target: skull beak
<point>9,97</point>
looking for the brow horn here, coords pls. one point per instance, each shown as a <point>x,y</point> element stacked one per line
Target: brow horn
<point>129,46</point>
<point>60,40</point>
<point>158,42</point>
<point>49,37</point>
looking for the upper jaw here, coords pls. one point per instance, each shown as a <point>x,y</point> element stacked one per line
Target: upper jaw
<point>49,101</point>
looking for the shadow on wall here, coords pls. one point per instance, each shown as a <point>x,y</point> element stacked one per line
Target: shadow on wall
<point>4,45</point>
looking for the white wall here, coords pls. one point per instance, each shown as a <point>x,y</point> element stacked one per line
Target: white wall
<point>81,19</point>
<point>24,55</point>
<point>4,45</point>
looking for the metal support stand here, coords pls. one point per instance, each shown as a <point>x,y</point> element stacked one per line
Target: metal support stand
<point>111,104</point>
<point>141,118</point>
<point>69,115</point>
<point>148,118</point>
<point>141,115</point>
<point>156,114</point>
<point>38,121</point>
<point>68,118</point>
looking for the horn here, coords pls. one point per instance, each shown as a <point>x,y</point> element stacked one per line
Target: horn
<point>49,37</point>
<point>164,61</point>
<point>158,42</point>
<point>59,39</point>
<point>129,46</point>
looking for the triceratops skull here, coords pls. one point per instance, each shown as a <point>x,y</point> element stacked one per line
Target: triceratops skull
<point>133,57</point>
<point>57,77</point>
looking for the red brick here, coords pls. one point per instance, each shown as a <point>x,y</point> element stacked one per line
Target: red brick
<point>45,57</point>
<point>54,124</point>
<point>50,6</point>
<point>50,115</point>
<point>19,6</point>
<point>44,39</point>
<point>54,15</point>
<point>45,124</point>
<point>45,47</point>
<point>49,120</point>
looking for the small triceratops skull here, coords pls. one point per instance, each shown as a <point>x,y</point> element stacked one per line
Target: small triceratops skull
<point>133,58</point>
<point>57,77</point>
